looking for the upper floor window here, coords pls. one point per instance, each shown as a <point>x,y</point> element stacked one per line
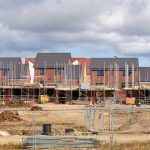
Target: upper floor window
<point>57,71</point>
<point>129,72</point>
<point>100,72</point>
<point>5,72</point>
<point>124,72</point>
<point>42,71</point>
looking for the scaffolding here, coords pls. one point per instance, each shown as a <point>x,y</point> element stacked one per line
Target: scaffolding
<point>60,86</point>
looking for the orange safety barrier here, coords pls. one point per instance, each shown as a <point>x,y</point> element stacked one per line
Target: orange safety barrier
<point>130,101</point>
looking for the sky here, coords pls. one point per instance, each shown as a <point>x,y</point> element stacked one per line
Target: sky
<point>86,28</point>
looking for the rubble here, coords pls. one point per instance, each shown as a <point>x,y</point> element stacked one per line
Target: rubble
<point>9,116</point>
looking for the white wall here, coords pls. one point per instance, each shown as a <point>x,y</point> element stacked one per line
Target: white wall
<point>76,62</point>
<point>31,71</point>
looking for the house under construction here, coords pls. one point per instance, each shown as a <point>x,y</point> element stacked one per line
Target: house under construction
<point>64,78</point>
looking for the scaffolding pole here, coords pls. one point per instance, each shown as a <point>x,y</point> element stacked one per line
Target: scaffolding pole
<point>126,76</point>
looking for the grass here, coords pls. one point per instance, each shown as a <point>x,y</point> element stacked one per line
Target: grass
<point>116,146</point>
<point>126,146</point>
<point>11,146</point>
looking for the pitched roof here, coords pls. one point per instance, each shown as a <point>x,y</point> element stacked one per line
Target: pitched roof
<point>6,62</point>
<point>99,63</point>
<point>51,60</point>
<point>144,74</point>
<point>13,64</point>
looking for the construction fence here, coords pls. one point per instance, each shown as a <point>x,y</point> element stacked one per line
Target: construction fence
<point>82,127</point>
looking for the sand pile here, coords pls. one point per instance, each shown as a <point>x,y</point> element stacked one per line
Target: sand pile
<point>9,116</point>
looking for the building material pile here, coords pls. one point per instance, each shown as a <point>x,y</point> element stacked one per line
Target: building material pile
<point>46,142</point>
<point>9,116</point>
<point>36,108</point>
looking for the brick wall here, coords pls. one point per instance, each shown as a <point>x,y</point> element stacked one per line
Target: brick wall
<point>110,79</point>
<point>49,77</point>
<point>5,80</point>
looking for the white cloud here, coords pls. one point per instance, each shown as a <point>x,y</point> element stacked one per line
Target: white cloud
<point>60,24</point>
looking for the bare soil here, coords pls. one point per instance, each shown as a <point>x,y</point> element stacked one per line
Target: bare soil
<point>128,126</point>
<point>9,117</point>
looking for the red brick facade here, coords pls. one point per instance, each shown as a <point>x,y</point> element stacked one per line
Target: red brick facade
<point>49,77</point>
<point>109,78</point>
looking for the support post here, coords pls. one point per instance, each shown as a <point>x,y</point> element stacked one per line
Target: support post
<point>56,97</point>
<point>93,97</point>
<point>126,76</point>
<point>132,75</point>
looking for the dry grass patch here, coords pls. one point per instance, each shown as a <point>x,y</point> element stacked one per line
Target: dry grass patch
<point>11,147</point>
<point>116,146</point>
<point>126,146</point>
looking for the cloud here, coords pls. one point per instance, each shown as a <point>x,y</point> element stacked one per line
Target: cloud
<point>90,25</point>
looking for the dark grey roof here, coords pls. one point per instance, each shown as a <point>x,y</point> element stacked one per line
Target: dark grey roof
<point>14,66</point>
<point>99,63</point>
<point>51,60</point>
<point>7,62</point>
<point>72,72</point>
<point>144,74</point>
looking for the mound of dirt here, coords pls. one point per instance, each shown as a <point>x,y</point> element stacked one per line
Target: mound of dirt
<point>9,116</point>
<point>36,108</point>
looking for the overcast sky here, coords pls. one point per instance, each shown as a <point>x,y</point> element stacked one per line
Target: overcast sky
<point>86,28</point>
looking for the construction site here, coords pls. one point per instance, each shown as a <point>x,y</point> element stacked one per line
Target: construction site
<point>55,101</point>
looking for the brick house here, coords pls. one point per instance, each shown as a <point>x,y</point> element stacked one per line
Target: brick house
<point>144,75</point>
<point>12,71</point>
<point>144,83</point>
<point>49,67</point>
<point>111,71</point>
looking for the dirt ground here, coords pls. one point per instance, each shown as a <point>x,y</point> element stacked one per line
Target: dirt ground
<point>128,126</point>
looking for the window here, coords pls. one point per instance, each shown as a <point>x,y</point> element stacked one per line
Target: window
<point>5,83</point>
<point>5,72</point>
<point>57,71</point>
<point>100,72</point>
<point>42,71</point>
<point>123,85</point>
<point>124,73</point>
<point>97,83</point>
<point>130,85</point>
<point>129,72</point>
